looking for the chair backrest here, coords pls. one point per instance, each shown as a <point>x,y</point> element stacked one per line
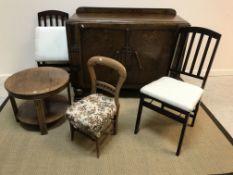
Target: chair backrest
<point>194,53</point>
<point>51,44</point>
<point>52,18</point>
<point>97,84</point>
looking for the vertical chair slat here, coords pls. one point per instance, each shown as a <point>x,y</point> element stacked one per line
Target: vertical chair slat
<point>211,61</point>
<point>181,54</point>
<point>175,50</point>
<point>204,55</point>
<point>56,16</point>
<point>62,21</point>
<point>189,51</point>
<point>39,21</point>
<point>51,20</point>
<point>196,53</point>
<point>45,22</point>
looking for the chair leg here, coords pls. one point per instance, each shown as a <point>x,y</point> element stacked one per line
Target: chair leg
<point>162,106</point>
<point>114,129</point>
<point>97,148</point>
<point>139,115</point>
<point>194,116</point>
<point>182,135</point>
<point>38,63</point>
<point>71,132</point>
<point>115,122</point>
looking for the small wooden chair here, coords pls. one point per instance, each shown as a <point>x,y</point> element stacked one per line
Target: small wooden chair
<point>95,114</point>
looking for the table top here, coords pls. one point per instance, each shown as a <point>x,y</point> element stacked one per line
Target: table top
<point>37,82</point>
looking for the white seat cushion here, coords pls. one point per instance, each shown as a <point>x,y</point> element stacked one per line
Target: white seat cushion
<point>174,92</point>
<point>51,44</point>
<point>92,114</point>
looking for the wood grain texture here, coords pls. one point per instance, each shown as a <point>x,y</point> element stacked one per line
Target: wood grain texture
<point>143,40</point>
<point>39,85</point>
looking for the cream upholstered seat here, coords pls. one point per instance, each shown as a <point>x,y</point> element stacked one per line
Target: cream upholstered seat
<point>51,44</point>
<point>174,92</point>
<point>174,98</point>
<point>96,114</point>
<point>92,114</point>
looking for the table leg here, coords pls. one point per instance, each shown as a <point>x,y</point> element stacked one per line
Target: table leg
<point>68,92</point>
<point>14,107</point>
<point>39,104</point>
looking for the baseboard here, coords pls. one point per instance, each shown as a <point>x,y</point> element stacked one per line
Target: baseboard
<point>215,72</point>
<point>221,72</point>
<point>5,75</point>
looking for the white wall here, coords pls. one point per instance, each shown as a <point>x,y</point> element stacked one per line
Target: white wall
<point>19,18</point>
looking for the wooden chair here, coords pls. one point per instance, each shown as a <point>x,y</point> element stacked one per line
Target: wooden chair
<point>195,59</point>
<point>54,20</point>
<point>95,114</point>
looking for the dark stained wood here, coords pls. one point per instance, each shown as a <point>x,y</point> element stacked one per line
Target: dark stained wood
<point>50,15</point>
<point>40,85</point>
<point>139,11</point>
<point>142,40</point>
<point>179,66</point>
<point>55,109</point>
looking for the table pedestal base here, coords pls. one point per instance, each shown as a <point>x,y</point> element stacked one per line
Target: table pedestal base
<point>53,108</point>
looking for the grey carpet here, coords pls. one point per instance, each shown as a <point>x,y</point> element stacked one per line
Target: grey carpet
<point>24,151</point>
<point>218,99</point>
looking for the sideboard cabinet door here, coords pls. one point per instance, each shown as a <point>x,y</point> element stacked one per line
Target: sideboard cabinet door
<point>141,39</point>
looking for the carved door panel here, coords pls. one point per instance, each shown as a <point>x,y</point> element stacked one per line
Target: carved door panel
<point>154,52</point>
<point>146,54</point>
<point>104,42</point>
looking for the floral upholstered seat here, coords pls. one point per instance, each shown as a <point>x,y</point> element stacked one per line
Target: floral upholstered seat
<point>96,114</point>
<point>92,114</point>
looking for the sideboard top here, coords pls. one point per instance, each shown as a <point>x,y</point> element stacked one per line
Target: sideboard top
<point>126,16</point>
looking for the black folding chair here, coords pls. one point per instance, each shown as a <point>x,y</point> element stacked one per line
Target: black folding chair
<point>194,59</point>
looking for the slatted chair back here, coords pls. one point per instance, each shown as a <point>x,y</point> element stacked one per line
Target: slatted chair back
<point>52,18</point>
<point>98,84</point>
<point>198,47</point>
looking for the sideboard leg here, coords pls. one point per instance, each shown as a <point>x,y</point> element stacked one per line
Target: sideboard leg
<point>78,93</point>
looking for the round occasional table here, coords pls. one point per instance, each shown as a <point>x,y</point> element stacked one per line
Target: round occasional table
<point>39,87</point>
